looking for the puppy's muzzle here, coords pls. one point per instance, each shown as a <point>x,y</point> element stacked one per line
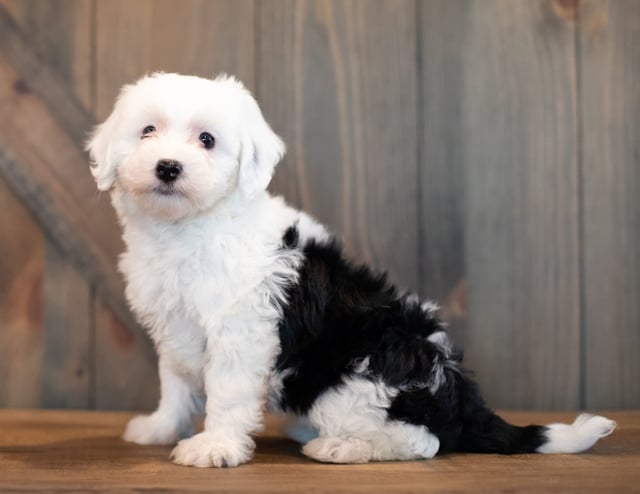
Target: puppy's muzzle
<point>168,170</point>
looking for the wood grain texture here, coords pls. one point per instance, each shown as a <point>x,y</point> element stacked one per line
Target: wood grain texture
<point>337,79</point>
<point>441,256</point>
<point>610,83</point>
<point>60,36</point>
<point>68,333</point>
<point>200,37</point>
<point>485,152</point>
<point>42,159</point>
<point>519,144</point>
<point>125,365</point>
<point>82,452</point>
<point>59,31</point>
<point>49,171</point>
<point>21,303</point>
<point>36,74</point>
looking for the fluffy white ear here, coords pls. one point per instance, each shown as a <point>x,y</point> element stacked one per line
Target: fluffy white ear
<point>101,145</point>
<point>261,151</point>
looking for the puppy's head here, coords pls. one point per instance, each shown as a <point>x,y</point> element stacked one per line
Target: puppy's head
<point>176,145</point>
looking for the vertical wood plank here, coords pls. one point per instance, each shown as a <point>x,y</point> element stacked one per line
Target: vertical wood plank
<point>68,329</point>
<point>132,38</point>
<point>21,334</point>
<point>337,79</point>
<point>441,253</point>
<point>519,144</point>
<point>201,37</point>
<point>125,365</point>
<point>610,82</point>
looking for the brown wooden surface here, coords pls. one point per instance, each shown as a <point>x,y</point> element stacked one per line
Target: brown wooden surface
<point>81,452</point>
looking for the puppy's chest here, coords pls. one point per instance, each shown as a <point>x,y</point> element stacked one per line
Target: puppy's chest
<point>200,282</point>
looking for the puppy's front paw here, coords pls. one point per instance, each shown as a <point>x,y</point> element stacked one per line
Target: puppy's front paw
<point>153,429</point>
<point>210,450</point>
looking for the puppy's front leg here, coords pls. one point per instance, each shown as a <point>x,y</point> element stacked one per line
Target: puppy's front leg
<point>236,385</point>
<point>173,420</point>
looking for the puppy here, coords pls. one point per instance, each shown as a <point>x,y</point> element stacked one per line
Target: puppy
<point>251,303</point>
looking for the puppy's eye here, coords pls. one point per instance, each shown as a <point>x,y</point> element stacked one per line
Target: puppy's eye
<point>207,140</point>
<point>149,129</point>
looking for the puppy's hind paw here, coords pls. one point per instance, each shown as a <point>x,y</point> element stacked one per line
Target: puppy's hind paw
<point>338,450</point>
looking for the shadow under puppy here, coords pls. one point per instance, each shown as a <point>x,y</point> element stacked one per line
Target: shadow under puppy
<point>251,303</point>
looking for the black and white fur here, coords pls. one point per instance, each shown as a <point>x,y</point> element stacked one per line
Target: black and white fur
<point>251,303</point>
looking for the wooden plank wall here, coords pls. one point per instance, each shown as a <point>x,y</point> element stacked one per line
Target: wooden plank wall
<point>484,152</point>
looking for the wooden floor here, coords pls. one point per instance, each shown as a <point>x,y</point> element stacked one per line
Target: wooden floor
<point>81,452</point>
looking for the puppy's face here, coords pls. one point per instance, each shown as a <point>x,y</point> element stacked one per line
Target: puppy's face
<point>177,145</point>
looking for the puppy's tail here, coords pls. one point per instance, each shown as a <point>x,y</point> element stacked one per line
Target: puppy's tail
<point>488,433</point>
<point>483,431</point>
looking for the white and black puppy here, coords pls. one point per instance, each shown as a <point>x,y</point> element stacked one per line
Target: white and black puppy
<point>251,303</point>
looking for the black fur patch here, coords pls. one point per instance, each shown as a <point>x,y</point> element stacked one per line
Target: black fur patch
<point>339,314</point>
<point>290,238</point>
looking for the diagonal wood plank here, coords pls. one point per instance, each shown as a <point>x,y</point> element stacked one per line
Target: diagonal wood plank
<point>59,32</point>
<point>44,81</point>
<point>21,314</point>
<point>42,159</point>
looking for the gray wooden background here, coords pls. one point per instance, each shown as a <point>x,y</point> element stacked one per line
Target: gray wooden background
<point>485,152</point>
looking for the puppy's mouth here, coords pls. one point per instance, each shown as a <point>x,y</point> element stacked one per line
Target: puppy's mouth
<point>167,190</point>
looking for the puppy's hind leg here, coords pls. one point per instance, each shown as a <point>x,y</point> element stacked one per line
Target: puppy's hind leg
<point>174,418</point>
<point>354,427</point>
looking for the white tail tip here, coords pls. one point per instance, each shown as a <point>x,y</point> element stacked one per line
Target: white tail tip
<point>579,436</point>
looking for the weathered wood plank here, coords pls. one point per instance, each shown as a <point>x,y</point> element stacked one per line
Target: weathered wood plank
<point>519,143</point>
<point>43,162</point>
<point>337,79</point>
<point>67,332</point>
<point>21,303</point>
<point>610,82</point>
<point>441,194</point>
<point>126,375</point>
<point>33,149</point>
<point>38,77</point>
<point>201,37</point>
<point>58,33</point>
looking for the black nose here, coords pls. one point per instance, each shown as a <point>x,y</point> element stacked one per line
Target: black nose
<point>168,170</point>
